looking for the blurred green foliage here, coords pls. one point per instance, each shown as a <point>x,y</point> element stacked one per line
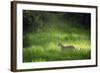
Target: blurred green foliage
<point>43,30</point>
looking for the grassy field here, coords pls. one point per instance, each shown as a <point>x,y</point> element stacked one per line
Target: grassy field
<point>43,44</point>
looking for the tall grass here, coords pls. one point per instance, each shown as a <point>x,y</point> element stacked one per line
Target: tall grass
<point>44,47</point>
<point>37,55</point>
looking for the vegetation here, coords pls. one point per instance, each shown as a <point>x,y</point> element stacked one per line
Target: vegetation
<point>42,31</point>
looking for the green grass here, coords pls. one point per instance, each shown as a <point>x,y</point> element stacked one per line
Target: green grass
<point>43,45</point>
<point>39,54</point>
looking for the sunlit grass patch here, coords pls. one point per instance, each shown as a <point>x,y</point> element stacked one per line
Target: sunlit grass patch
<point>53,55</point>
<point>45,47</point>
